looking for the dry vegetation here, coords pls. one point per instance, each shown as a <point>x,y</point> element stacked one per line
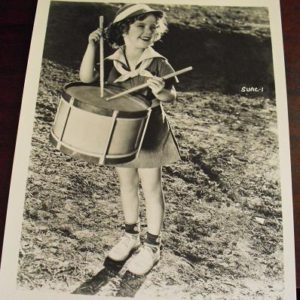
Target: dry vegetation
<point>214,242</point>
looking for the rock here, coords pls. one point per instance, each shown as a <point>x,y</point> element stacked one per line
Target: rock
<point>260,220</point>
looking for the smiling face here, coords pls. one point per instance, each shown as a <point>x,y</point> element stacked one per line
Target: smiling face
<point>141,33</point>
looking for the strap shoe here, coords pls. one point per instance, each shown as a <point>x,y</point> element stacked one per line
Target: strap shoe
<point>148,255</point>
<point>127,244</point>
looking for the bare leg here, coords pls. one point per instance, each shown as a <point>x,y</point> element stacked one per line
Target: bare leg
<point>155,205</point>
<point>149,253</point>
<point>129,183</point>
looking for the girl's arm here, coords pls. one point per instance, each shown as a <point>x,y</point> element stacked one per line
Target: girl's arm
<point>88,73</point>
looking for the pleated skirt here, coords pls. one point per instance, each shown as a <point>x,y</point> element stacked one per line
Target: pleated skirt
<point>159,147</point>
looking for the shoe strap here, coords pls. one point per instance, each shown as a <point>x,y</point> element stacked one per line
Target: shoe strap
<point>154,248</point>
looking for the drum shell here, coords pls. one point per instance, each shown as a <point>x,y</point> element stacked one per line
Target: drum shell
<point>97,134</point>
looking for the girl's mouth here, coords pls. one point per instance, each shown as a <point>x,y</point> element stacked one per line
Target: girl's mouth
<point>146,39</point>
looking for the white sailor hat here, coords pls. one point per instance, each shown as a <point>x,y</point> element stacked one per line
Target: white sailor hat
<point>132,10</point>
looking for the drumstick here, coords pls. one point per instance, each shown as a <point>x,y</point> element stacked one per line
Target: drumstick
<point>144,85</point>
<point>101,57</point>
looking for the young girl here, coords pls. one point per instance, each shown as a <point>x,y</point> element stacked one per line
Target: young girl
<point>133,31</point>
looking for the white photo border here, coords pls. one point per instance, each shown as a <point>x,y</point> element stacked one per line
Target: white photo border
<point>15,209</point>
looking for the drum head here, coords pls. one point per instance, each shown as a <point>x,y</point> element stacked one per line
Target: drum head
<point>90,95</point>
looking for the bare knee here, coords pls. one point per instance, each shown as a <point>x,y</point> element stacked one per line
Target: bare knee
<point>151,182</point>
<point>153,189</point>
<point>129,179</point>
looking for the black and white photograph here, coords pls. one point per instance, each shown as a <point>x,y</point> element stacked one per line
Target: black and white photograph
<point>152,159</point>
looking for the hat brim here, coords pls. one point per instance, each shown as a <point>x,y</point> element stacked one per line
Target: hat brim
<point>141,12</point>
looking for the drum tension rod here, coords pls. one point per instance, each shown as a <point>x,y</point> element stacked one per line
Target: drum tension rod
<point>109,138</point>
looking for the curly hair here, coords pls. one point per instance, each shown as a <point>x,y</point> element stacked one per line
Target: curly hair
<point>114,32</point>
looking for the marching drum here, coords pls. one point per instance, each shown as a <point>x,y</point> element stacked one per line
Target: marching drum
<point>88,127</point>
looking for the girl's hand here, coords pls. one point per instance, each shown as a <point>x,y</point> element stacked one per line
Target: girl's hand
<point>156,84</point>
<point>94,37</point>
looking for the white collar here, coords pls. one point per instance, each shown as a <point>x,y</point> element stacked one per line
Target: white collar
<point>119,55</point>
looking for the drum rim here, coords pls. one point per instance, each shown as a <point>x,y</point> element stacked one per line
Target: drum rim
<point>100,110</point>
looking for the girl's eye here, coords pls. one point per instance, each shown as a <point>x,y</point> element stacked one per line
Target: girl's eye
<point>152,28</point>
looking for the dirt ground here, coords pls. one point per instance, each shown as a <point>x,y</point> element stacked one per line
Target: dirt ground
<point>223,227</point>
<point>222,235</point>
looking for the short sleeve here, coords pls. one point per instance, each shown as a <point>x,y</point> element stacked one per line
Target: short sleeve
<point>109,74</point>
<point>164,68</point>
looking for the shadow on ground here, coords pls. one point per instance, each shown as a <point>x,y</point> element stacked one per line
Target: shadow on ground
<point>128,286</point>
